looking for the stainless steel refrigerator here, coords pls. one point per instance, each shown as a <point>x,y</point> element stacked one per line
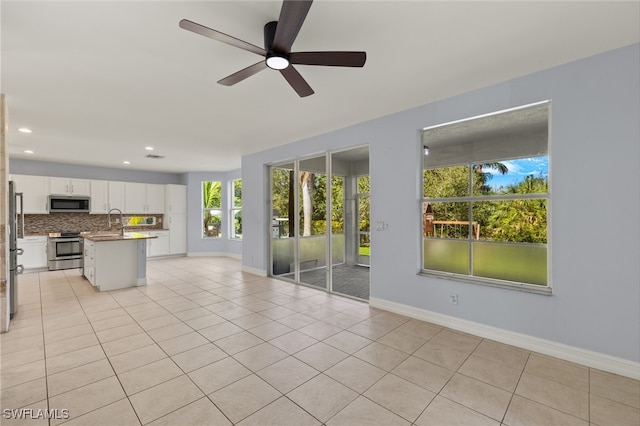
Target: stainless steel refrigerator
<point>16,230</point>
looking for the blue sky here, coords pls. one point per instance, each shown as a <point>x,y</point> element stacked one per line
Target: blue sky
<point>518,169</point>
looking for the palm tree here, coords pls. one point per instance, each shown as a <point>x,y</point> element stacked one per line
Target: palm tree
<point>484,177</point>
<point>500,167</point>
<point>211,199</point>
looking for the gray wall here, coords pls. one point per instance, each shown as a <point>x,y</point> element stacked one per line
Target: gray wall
<point>45,168</point>
<point>595,205</point>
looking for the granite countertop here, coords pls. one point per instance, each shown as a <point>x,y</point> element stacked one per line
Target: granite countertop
<point>98,236</point>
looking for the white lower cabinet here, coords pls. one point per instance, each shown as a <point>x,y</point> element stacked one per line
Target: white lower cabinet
<point>34,252</point>
<point>158,246</point>
<point>89,264</point>
<point>114,264</point>
<point>177,224</point>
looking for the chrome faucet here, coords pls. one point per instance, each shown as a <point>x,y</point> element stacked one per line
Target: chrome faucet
<point>121,220</point>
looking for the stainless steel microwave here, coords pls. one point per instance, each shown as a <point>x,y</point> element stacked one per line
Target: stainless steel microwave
<point>68,204</point>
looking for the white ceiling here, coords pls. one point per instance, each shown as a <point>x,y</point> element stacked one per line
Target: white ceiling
<point>99,81</point>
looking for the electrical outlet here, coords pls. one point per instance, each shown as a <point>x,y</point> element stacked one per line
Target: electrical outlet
<point>453,299</point>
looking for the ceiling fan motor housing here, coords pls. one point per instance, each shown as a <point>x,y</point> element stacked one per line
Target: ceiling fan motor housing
<point>274,60</point>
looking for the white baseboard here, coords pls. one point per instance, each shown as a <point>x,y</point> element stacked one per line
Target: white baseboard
<point>254,271</point>
<point>585,357</point>
<point>214,254</point>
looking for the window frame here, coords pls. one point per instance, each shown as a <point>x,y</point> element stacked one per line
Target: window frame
<point>471,199</point>
<point>218,208</point>
<point>234,209</point>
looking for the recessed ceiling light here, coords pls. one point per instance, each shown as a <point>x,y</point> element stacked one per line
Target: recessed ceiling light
<point>28,151</point>
<point>126,162</point>
<point>24,130</point>
<point>148,148</point>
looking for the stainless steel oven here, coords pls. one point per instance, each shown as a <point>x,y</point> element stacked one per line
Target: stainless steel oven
<point>65,250</point>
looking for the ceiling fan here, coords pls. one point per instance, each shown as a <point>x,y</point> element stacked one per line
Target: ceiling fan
<point>278,39</point>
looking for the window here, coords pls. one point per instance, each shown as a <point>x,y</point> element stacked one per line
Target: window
<point>485,199</point>
<point>212,209</point>
<point>236,210</point>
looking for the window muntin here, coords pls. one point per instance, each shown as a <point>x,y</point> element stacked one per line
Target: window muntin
<point>236,210</point>
<point>212,209</point>
<point>485,198</point>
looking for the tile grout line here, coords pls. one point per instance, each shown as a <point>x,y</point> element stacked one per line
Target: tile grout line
<point>44,349</point>
<point>513,394</point>
<point>169,357</point>
<point>240,290</point>
<point>106,357</point>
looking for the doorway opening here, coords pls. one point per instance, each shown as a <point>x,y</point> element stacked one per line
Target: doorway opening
<point>320,228</point>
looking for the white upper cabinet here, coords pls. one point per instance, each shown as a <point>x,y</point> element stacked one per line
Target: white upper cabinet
<point>116,196</point>
<point>35,192</point>
<point>175,199</point>
<point>143,198</point>
<point>99,196</point>
<point>106,195</point>
<point>66,186</point>
<point>155,198</point>
<point>135,197</point>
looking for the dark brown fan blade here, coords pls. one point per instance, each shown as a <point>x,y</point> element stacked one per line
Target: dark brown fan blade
<point>217,35</point>
<point>296,81</point>
<point>242,74</point>
<point>331,59</point>
<point>292,16</point>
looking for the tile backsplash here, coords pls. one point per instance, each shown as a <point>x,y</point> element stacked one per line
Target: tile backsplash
<point>41,224</point>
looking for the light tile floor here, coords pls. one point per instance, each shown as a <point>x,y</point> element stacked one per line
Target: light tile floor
<point>205,344</point>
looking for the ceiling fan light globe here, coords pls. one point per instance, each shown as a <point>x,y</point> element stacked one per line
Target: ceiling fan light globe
<point>277,62</point>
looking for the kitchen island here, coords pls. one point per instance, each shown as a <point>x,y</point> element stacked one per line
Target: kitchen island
<point>114,261</point>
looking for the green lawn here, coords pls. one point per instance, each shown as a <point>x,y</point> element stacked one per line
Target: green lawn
<point>365,251</point>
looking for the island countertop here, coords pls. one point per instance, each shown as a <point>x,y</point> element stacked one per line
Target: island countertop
<point>97,237</point>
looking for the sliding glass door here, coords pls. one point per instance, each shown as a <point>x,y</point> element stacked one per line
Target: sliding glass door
<point>319,222</point>
<point>312,205</point>
<point>282,224</point>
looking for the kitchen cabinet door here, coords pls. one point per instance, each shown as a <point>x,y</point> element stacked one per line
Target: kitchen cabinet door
<point>35,191</point>
<point>67,186</point>
<point>88,268</point>
<point>176,199</point>
<point>155,198</point>
<point>158,246</point>
<point>99,196</point>
<point>80,187</point>
<point>116,196</point>
<point>34,252</point>
<point>177,224</point>
<point>135,197</point>
<point>143,198</point>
